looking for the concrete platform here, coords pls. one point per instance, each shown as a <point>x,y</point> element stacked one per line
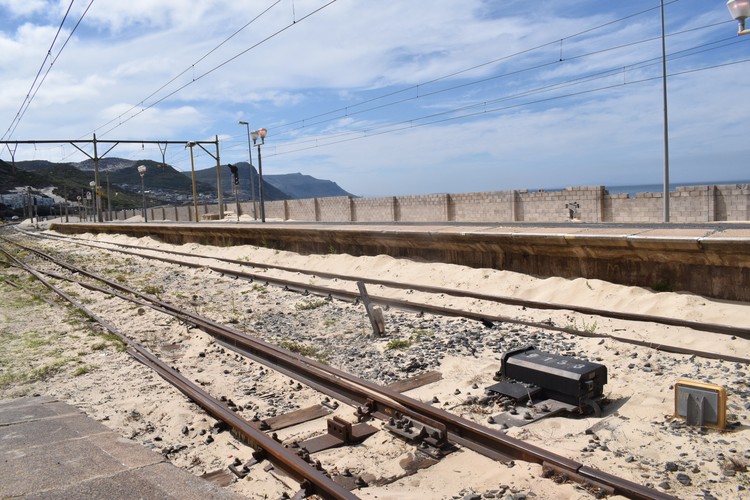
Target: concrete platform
<point>711,259</point>
<point>49,449</point>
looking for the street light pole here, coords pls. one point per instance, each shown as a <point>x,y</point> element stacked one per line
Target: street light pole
<point>666,115</point>
<point>142,171</point>
<point>252,180</point>
<point>260,133</point>
<point>190,145</point>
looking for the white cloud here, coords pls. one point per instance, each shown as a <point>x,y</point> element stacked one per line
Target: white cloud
<point>307,83</point>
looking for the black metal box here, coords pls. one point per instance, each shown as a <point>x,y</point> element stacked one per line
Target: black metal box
<point>566,379</point>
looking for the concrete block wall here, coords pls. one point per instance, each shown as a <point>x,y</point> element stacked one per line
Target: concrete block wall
<point>303,210</point>
<point>423,208</point>
<point>555,206</point>
<point>335,209</point>
<point>645,207</point>
<point>687,204</point>
<point>497,206</point>
<point>373,209</point>
<point>274,210</point>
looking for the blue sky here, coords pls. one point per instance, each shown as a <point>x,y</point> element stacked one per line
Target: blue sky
<point>390,98</point>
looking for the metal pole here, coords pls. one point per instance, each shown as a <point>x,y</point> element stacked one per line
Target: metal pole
<point>218,181</point>
<point>143,196</point>
<point>195,191</point>
<point>666,116</point>
<point>109,201</point>
<point>237,200</point>
<point>252,179</point>
<point>260,181</point>
<point>97,200</point>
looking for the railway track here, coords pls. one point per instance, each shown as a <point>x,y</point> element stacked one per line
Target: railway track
<point>433,430</point>
<point>336,288</point>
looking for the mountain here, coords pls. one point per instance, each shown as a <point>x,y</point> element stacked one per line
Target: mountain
<point>164,184</point>
<point>275,187</point>
<point>270,192</point>
<point>10,178</point>
<point>301,186</point>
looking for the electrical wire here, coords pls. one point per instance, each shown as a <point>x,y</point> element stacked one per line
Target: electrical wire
<point>434,117</point>
<point>27,99</point>
<point>190,67</point>
<point>278,127</point>
<point>220,65</point>
<point>70,35</point>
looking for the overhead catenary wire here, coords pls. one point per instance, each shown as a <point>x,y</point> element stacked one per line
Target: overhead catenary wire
<point>122,119</point>
<point>27,100</point>
<point>215,68</point>
<point>410,123</point>
<point>189,68</point>
<point>586,78</point>
<point>280,127</point>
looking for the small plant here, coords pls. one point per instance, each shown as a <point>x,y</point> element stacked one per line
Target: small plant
<point>260,289</point>
<point>82,370</point>
<point>585,327</point>
<point>398,344</point>
<point>155,290</point>
<point>304,350</point>
<point>309,305</point>
<point>329,322</point>
<point>590,327</point>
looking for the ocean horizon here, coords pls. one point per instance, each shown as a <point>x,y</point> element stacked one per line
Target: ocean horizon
<point>633,189</point>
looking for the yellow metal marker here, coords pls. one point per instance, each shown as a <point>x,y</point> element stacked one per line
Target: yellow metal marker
<point>700,404</point>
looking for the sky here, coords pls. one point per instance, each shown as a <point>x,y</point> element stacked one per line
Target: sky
<point>386,98</point>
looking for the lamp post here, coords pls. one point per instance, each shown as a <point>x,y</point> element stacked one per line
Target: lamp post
<point>260,133</point>
<point>190,145</point>
<point>142,171</point>
<point>252,181</point>
<point>666,116</point>
<point>740,10</point>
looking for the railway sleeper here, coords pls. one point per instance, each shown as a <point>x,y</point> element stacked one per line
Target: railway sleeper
<point>340,433</point>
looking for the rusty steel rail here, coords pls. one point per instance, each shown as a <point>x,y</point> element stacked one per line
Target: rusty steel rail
<point>311,480</point>
<point>374,400</point>
<point>338,293</point>
<point>513,301</point>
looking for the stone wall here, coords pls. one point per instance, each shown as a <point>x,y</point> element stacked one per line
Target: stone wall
<point>586,203</point>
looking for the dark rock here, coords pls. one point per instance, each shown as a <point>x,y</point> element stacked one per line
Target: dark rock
<point>684,479</point>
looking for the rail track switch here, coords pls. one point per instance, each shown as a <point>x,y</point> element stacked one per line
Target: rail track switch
<point>700,404</point>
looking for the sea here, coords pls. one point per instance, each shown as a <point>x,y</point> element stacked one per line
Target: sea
<point>658,188</point>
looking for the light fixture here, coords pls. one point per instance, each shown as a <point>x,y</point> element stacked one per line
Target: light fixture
<point>739,10</point>
<point>260,133</point>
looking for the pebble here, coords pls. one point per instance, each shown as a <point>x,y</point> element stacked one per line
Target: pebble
<point>683,479</point>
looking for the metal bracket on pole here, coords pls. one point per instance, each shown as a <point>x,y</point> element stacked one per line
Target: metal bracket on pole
<point>374,313</point>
